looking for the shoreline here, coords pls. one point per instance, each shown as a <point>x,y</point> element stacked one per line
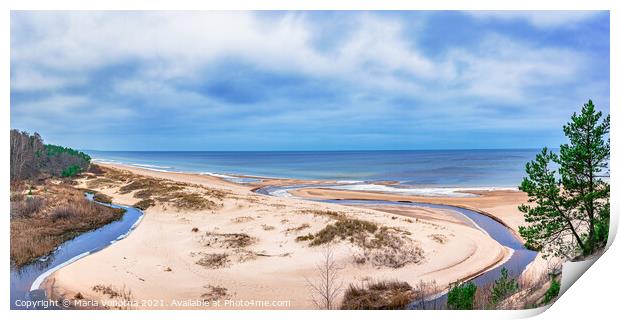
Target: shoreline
<point>280,181</point>
<point>444,267</point>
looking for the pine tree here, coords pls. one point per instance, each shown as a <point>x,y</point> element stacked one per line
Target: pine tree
<point>570,215</point>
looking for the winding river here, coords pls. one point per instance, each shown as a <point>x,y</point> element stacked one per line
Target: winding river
<point>26,281</point>
<point>516,264</point>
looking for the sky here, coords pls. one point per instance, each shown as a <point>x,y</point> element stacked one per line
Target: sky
<point>314,80</point>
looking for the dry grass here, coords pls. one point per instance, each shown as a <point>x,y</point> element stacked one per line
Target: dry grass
<point>192,201</point>
<point>100,183</point>
<point>24,207</point>
<point>298,228</point>
<point>227,240</point>
<point>388,248</point>
<point>439,238</point>
<point>379,295</point>
<point>144,204</point>
<point>353,229</point>
<point>122,294</point>
<point>214,260</point>
<point>61,214</point>
<point>242,219</point>
<point>307,237</point>
<point>214,293</point>
<point>100,197</point>
<point>381,246</point>
<point>151,190</point>
<point>323,213</point>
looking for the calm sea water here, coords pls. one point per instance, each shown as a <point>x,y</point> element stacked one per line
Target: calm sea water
<point>448,168</point>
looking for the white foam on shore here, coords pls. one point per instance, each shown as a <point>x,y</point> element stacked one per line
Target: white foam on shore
<point>150,166</point>
<point>282,193</point>
<point>419,191</point>
<point>105,161</point>
<point>218,175</point>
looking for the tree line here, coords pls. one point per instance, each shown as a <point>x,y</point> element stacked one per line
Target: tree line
<point>31,158</point>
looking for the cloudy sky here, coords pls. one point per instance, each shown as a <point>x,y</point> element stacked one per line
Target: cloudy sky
<point>305,80</point>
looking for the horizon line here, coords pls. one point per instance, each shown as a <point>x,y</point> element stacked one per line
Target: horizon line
<point>329,150</point>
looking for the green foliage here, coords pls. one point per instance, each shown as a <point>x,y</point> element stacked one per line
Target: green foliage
<point>71,171</point>
<point>31,158</point>
<point>570,217</point>
<point>461,296</point>
<point>503,287</point>
<point>552,292</point>
<point>54,150</point>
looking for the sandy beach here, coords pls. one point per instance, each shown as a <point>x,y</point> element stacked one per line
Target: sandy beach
<point>163,259</point>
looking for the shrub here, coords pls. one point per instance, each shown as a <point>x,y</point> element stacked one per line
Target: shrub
<point>144,204</point>
<point>63,215</point>
<point>552,292</point>
<point>227,240</point>
<point>64,212</point>
<point>382,295</point>
<point>503,287</point>
<point>214,260</point>
<point>26,207</point>
<point>307,237</point>
<point>343,229</point>
<point>100,197</point>
<point>71,171</point>
<point>461,296</point>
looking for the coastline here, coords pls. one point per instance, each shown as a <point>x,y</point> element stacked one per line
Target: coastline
<point>468,253</point>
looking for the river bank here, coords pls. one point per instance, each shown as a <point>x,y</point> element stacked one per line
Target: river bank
<point>26,280</point>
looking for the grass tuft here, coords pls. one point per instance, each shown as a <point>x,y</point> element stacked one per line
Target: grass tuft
<point>380,295</point>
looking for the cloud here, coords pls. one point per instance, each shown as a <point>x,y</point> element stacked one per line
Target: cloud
<point>538,19</point>
<point>212,73</point>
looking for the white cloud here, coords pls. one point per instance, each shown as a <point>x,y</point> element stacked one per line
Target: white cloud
<point>539,19</point>
<point>52,50</point>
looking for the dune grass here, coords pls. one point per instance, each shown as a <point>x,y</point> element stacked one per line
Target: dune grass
<point>151,190</point>
<point>378,295</point>
<point>51,216</point>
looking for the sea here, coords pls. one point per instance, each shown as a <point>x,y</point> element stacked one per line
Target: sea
<point>412,171</point>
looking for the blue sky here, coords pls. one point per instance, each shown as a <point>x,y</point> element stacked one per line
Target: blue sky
<point>305,80</point>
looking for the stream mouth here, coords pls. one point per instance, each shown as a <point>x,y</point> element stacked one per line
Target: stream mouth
<point>25,281</point>
<point>516,264</point>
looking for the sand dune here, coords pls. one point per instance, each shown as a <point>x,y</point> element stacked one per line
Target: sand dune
<point>176,255</point>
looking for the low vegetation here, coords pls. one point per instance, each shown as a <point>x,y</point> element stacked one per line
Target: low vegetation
<point>144,204</point>
<point>151,190</point>
<point>381,246</point>
<point>352,229</point>
<point>461,296</point>
<point>121,294</point>
<point>100,197</point>
<point>323,213</point>
<point>214,260</point>
<point>503,287</point>
<point>552,292</point>
<point>378,295</point>
<point>50,215</point>
<point>214,293</point>
<point>226,240</point>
